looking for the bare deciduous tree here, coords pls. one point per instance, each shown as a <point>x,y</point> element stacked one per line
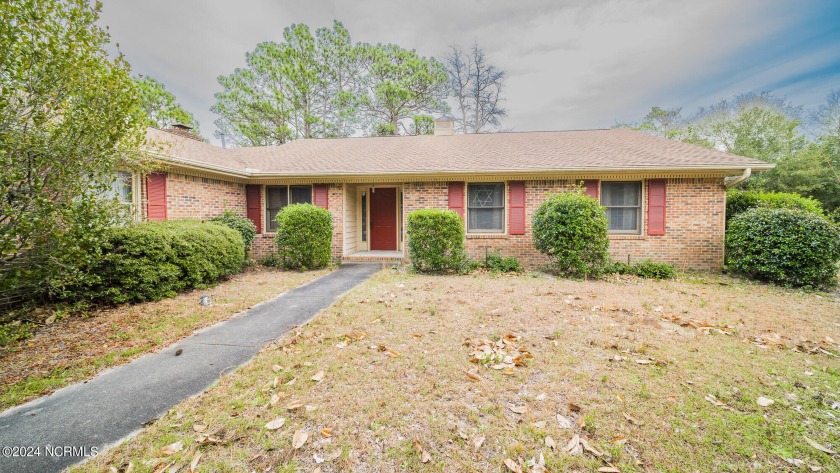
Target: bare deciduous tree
<point>476,86</point>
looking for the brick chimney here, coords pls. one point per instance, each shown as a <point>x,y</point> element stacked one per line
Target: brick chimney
<point>182,130</point>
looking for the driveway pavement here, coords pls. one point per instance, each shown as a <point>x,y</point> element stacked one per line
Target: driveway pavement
<point>56,431</point>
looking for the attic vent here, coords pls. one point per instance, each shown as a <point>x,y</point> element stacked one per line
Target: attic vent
<point>444,127</point>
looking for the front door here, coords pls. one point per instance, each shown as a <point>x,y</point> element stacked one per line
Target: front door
<point>383,218</point>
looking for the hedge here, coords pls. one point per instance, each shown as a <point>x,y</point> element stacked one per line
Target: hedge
<point>571,229</point>
<point>784,246</point>
<point>153,260</point>
<point>435,240</point>
<point>738,201</point>
<point>244,226</point>
<point>304,236</point>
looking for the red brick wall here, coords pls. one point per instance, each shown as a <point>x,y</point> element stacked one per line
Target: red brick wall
<point>190,197</point>
<point>694,224</point>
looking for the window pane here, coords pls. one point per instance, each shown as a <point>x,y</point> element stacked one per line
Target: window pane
<point>301,194</point>
<point>121,187</point>
<point>623,218</point>
<point>487,219</point>
<point>276,197</point>
<point>621,194</point>
<point>270,216</point>
<point>486,195</point>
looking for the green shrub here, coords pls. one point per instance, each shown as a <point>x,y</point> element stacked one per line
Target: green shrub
<point>738,201</point>
<point>244,226</point>
<point>571,229</point>
<point>304,236</point>
<point>153,260</point>
<point>652,270</point>
<point>435,240</point>
<point>646,269</point>
<point>790,247</point>
<point>496,262</point>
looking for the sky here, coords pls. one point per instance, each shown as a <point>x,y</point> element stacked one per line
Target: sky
<point>569,64</point>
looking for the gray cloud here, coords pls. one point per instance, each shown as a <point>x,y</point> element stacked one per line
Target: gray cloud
<point>572,64</point>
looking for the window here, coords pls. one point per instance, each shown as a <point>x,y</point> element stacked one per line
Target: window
<point>486,207</point>
<point>277,197</point>
<point>121,187</point>
<point>623,201</point>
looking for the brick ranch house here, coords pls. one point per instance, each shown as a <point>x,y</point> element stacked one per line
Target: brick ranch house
<point>665,199</point>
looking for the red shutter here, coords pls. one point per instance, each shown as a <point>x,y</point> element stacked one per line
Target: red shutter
<point>253,205</point>
<point>516,211</point>
<point>590,188</point>
<point>156,196</point>
<point>456,197</point>
<point>320,195</point>
<point>656,206</point>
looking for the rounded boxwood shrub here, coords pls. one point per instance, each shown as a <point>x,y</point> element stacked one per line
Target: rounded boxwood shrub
<point>435,240</point>
<point>789,247</point>
<point>304,236</point>
<point>738,201</point>
<point>571,229</point>
<point>153,260</point>
<point>244,226</point>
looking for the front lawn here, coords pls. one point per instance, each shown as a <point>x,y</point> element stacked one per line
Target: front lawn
<point>79,347</point>
<point>491,373</point>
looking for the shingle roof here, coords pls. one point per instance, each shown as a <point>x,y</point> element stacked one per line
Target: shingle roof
<point>585,150</point>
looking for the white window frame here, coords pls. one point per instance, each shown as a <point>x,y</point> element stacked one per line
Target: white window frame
<point>504,208</point>
<point>640,208</point>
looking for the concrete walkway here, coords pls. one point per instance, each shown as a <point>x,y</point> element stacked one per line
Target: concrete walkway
<point>105,409</point>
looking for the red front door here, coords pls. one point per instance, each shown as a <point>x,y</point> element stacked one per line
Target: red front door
<point>383,218</point>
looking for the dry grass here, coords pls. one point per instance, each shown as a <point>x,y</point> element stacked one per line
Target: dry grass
<point>78,347</point>
<point>395,369</point>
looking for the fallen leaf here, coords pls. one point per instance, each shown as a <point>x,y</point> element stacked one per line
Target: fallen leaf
<point>644,362</point>
<point>633,420</point>
<point>518,409</point>
<point>565,422</point>
<point>172,448</point>
<point>472,377</point>
<point>512,466</point>
<point>194,462</point>
<point>819,447</point>
<point>275,424</point>
<point>478,441</point>
<point>294,405</point>
<point>608,469</point>
<point>549,442</point>
<point>540,424</point>
<point>574,407</point>
<point>291,382</point>
<point>573,447</point>
<point>326,433</point>
<point>299,439</point>
<point>274,400</point>
<point>764,402</point>
<point>318,459</point>
<point>199,427</point>
<point>590,448</point>
<point>318,377</point>
<point>276,368</point>
<point>425,457</point>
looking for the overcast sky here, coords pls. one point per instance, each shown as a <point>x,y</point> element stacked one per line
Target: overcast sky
<point>569,64</point>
